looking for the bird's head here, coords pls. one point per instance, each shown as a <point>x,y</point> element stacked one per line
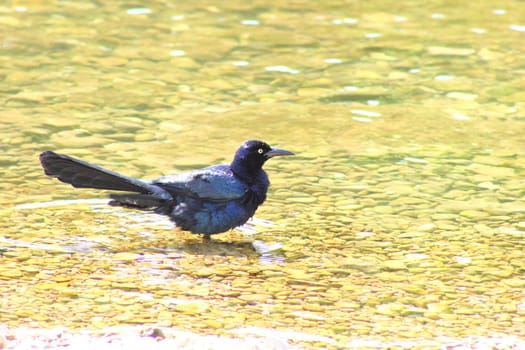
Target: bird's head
<point>251,156</point>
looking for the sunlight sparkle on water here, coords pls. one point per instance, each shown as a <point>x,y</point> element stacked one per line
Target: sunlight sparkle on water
<point>478,30</point>
<point>177,53</point>
<point>365,113</point>
<point>345,21</point>
<point>250,22</point>
<point>282,69</point>
<point>443,77</point>
<point>362,119</point>
<point>139,11</point>
<point>415,160</point>
<point>373,35</point>
<point>333,60</point>
<point>461,117</point>
<point>517,28</point>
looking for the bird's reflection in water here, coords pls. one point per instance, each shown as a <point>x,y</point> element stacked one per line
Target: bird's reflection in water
<point>219,248</point>
<point>267,253</point>
<point>144,240</point>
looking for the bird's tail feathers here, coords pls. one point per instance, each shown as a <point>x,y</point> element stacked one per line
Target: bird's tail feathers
<point>82,174</point>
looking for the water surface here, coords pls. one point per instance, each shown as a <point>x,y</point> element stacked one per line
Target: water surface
<point>400,222</point>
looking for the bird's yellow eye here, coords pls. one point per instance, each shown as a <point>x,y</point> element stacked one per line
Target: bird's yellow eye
<point>260,151</point>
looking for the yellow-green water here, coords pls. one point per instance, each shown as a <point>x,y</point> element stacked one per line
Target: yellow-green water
<point>402,217</point>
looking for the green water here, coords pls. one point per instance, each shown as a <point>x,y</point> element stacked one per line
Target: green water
<point>401,219</point>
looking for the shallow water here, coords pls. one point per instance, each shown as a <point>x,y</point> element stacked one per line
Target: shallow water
<point>400,221</point>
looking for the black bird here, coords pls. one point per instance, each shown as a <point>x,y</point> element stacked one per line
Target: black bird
<point>207,201</point>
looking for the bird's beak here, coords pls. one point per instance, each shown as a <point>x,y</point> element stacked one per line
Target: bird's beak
<point>278,152</point>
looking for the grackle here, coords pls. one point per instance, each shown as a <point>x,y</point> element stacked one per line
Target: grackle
<point>207,201</point>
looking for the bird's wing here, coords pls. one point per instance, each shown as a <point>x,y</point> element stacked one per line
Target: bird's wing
<point>216,183</point>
